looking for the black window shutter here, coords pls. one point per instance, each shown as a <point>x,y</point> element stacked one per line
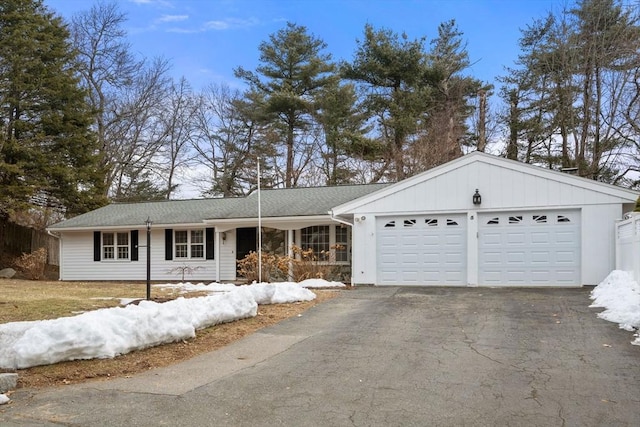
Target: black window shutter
<point>210,243</point>
<point>96,246</point>
<point>168,244</point>
<point>134,245</point>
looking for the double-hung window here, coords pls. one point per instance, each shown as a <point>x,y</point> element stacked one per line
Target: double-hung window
<point>189,244</point>
<point>115,246</point>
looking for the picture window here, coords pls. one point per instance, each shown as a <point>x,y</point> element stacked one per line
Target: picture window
<point>316,238</point>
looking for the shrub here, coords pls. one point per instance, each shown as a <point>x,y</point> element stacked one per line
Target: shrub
<point>308,265</point>
<point>274,267</point>
<point>33,264</point>
<point>305,265</point>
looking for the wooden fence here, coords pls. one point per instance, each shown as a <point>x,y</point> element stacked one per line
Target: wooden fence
<point>16,240</point>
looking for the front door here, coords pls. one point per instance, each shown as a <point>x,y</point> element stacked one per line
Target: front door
<point>246,241</point>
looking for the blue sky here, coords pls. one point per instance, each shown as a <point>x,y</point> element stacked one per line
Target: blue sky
<point>206,39</point>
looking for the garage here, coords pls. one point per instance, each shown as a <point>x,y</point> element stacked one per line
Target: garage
<point>422,250</point>
<point>483,220</point>
<point>529,248</point>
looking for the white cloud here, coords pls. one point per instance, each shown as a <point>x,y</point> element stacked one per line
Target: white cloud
<point>230,23</point>
<point>217,25</point>
<point>164,3</point>
<point>172,18</point>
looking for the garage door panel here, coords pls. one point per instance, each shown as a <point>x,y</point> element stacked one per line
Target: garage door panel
<point>566,237</point>
<point>493,239</point>
<point>515,238</point>
<point>540,238</point>
<point>540,276</point>
<point>540,257</point>
<point>427,249</point>
<point>492,258</point>
<point>515,258</point>
<point>541,248</point>
<point>515,276</point>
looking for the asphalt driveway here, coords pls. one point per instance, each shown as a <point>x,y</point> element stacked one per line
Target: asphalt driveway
<point>384,357</point>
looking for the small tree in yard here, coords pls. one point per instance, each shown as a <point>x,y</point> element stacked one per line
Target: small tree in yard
<point>274,267</point>
<point>637,208</point>
<point>184,269</point>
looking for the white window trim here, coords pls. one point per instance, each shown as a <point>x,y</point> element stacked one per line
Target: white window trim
<point>115,247</point>
<point>189,245</point>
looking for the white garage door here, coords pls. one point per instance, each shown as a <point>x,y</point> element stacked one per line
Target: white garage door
<point>422,250</point>
<point>529,248</point>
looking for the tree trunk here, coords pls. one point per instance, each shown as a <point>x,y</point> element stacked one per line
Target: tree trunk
<point>482,121</point>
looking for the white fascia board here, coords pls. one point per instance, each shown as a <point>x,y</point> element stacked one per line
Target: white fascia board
<point>154,226</point>
<point>280,223</point>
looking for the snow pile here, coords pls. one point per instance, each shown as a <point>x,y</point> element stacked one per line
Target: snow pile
<point>227,287</point>
<point>619,295</point>
<point>109,332</point>
<point>321,283</point>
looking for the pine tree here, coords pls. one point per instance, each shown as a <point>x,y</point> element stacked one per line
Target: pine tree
<point>292,70</point>
<point>391,69</point>
<point>47,151</point>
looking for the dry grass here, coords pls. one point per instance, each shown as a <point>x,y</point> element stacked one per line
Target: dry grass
<point>26,300</point>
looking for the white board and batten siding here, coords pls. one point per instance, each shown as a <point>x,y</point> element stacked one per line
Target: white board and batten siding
<point>575,246</point>
<point>76,261</point>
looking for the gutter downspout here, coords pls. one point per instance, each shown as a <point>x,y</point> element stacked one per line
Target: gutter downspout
<point>341,221</point>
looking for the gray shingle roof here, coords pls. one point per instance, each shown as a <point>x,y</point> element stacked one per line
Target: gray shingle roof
<point>290,202</point>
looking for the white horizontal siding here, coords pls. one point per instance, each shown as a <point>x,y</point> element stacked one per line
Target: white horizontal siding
<point>77,261</point>
<point>228,257</point>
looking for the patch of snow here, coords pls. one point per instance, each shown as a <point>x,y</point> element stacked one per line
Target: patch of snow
<point>109,332</point>
<point>321,283</point>
<point>619,295</point>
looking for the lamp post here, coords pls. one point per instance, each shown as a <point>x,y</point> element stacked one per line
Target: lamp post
<point>148,224</point>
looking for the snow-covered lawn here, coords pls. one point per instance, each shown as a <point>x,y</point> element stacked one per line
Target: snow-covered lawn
<point>619,295</point>
<point>109,332</point>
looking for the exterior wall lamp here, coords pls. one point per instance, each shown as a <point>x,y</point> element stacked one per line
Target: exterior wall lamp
<point>477,198</point>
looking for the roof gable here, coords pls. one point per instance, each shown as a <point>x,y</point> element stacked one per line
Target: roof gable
<point>487,172</point>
